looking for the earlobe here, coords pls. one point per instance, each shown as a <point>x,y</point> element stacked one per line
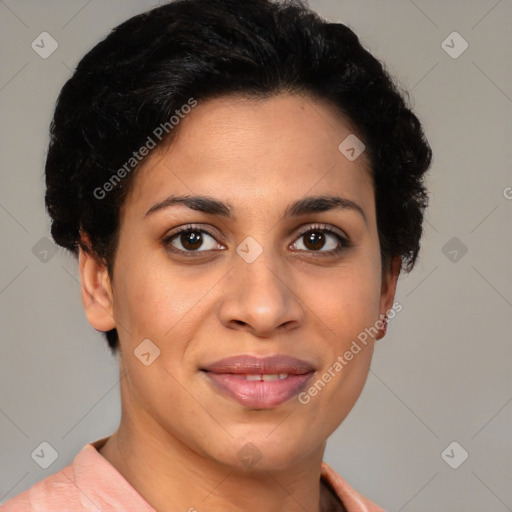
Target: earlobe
<point>97,297</point>
<point>388,292</point>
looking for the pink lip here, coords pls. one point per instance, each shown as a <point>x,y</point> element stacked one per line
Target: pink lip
<point>228,376</point>
<point>251,365</point>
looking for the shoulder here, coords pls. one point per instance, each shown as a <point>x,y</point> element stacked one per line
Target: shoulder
<point>55,492</point>
<point>352,500</point>
<point>89,484</point>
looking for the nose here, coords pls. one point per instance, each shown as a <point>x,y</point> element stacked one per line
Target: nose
<point>260,297</point>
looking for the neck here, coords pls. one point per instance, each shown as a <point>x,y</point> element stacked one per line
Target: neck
<point>170,476</point>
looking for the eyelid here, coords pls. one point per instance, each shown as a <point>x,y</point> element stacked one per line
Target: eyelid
<point>210,230</point>
<point>324,227</point>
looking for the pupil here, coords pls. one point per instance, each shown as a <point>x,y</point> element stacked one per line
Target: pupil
<point>316,239</point>
<point>191,240</point>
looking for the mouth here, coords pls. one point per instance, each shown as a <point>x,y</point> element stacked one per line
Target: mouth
<point>259,383</point>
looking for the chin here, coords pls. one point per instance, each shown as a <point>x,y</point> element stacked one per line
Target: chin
<point>262,452</point>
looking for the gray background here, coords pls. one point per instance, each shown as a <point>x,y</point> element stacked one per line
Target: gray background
<point>443,372</point>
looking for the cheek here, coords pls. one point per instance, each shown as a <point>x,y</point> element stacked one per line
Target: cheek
<point>348,304</point>
<point>147,303</point>
<point>166,305</point>
<point>349,301</point>
<point>159,391</point>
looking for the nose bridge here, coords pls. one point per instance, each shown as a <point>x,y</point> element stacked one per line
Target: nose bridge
<point>259,296</point>
<point>260,275</point>
<point>257,278</point>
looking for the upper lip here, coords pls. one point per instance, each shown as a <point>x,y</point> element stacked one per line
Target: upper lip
<point>251,365</point>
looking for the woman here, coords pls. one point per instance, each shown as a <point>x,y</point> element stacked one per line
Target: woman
<point>243,184</point>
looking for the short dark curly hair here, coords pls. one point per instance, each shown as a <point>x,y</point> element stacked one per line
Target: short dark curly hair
<point>148,67</point>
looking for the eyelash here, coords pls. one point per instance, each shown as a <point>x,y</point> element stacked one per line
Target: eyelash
<point>344,242</point>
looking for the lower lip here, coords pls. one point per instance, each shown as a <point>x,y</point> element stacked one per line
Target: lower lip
<point>259,394</point>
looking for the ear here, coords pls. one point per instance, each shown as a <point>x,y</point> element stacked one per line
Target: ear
<point>97,296</point>
<point>388,289</point>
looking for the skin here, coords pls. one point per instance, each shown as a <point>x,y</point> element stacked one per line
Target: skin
<point>178,439</point>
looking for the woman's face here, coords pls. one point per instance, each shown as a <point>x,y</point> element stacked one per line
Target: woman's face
<point>251,275</point>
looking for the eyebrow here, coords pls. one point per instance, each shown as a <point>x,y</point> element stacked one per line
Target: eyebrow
<point>303,206</point>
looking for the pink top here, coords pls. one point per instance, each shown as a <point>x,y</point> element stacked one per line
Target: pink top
<point>92,484</point>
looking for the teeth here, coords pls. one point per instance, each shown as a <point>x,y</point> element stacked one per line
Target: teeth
<point>267,377</point>
<point>270,378</point>
<point>253,377</point>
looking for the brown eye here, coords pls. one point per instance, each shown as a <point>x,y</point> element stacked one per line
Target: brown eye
<point>314,240</point>
<point>322,240</point>
<point>190,240</point>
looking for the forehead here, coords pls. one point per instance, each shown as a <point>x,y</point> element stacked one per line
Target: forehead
<point>249,149</point>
